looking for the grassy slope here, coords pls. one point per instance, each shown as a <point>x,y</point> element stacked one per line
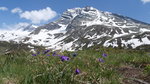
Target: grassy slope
<point>120,66</point>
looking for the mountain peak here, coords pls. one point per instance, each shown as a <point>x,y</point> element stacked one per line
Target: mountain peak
<point>89,8</point>
<point>71,13</point>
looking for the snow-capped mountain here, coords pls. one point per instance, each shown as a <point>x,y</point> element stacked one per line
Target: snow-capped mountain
<point>17,33</point>
<point>79,28</point>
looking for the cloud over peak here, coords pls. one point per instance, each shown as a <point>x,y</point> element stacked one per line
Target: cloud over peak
<point>38,16</point>
<point>145,1</point>
<point>3,8</point>
<point>16,10</point>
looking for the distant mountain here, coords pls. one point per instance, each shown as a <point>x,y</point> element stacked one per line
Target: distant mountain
<point>79,28</point>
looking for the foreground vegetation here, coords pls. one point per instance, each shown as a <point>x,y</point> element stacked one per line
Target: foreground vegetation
<point>90,66</point>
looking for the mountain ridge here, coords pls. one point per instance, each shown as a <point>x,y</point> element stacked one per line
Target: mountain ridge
<point>86,27</point>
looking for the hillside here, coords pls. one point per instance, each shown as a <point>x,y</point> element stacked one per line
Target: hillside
<point>97,65</point>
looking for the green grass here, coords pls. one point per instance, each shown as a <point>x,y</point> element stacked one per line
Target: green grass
<point>23,68</point>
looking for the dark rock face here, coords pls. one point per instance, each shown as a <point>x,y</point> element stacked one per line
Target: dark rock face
<point>49,26</point>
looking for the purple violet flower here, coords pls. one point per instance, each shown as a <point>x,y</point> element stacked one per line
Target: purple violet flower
<point>38,53</point>
<point>104,55</point>
<point>59,55</point>
<point>77,71</point>
<point>54,54</point>
<point>47,55</point>
<point>46,51</point>
<point>33,54</point>
<point>64,58</point>
<point>101,60</point>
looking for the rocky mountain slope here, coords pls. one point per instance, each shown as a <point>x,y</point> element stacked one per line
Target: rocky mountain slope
<point>79,28</point>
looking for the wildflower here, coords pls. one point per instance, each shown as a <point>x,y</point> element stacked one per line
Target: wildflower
<point>64,58</point>
<point>101,60</point>
<point>46,51</point>
<point>77,71</point>
<point>33,54</point>
<point>104,55</point>
<point>74,54</point>
<point>47,55</point>
<point>54,54</point>
<point>38,53</point>
<point>59,55</point>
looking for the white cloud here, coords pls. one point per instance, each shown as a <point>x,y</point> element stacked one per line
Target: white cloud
<point>16,10</point>
<point>38,16</point>
<point>14,26</point>
<point>3,8</point>
<point>20,25</point>
<point>145,1</point>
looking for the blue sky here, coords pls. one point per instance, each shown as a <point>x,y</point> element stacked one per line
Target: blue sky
<point>44,11</point>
